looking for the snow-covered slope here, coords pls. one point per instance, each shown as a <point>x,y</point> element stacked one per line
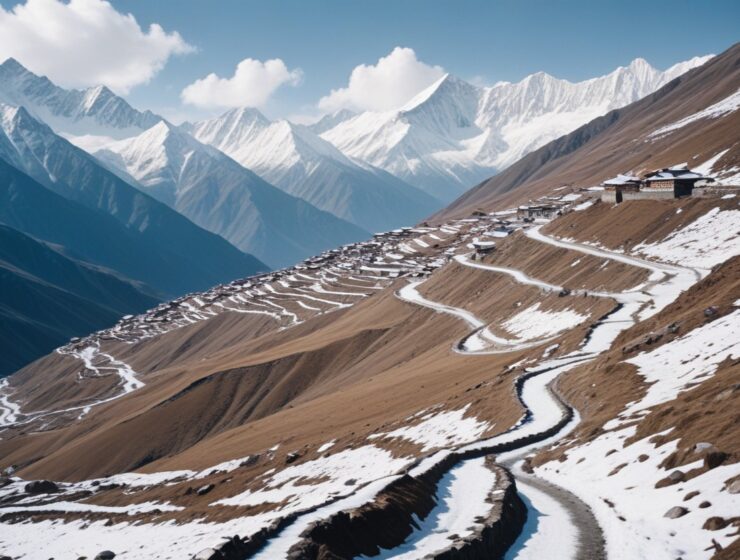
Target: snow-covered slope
<point>331,120</point>
<point>296,160</point>
<point>82,116</point>
<point>453,134</point>
<point>222,196</point>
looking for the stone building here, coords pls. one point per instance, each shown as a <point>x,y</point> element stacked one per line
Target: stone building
<point>615,188</point>
<point>671,182</point>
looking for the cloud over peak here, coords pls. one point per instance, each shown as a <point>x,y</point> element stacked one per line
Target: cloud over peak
<point>251,85</point>
<point>387,85</point>
<point>86,42</point>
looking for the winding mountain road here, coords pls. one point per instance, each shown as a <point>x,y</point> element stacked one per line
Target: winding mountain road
<point>559,521</point>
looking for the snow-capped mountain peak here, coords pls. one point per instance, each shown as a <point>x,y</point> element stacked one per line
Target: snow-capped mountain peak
<point>295,159</point>
<point>96,111</point>
<point>454,134</point>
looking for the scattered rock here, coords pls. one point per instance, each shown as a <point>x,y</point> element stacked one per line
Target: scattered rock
<point>711,311</point>
<point>41,487</point>
<point>715,523</point>
<point>4,481</point>
<point>616,469</point>
<point>705,504</point>
<point>674,478</point>
<point>677,476</point>
<point>734,486</point>
<point>714,459</point>
<point>250,460</point>
<point>690,495</point>
<point>5,558</point>
<point>105,555</point>
<point>350,482</point>
<point>203,490</point>
<point>292,457</point>
<point>703,446</point>
<point>564,292</point>
<point>676,512</point>
<point>642,458</point>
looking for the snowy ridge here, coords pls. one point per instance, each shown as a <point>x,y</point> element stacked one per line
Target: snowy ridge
<point>454,134</point>
<point>95,111</point>
<point>295,159</point>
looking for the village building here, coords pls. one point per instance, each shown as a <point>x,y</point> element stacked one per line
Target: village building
<point>615,188</point>
<point>483,248</point>
<point>671,182</point>
<point>533,211</point>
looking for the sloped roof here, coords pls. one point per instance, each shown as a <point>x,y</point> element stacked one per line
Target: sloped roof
<point>622,180</point>
<point>682,172</point>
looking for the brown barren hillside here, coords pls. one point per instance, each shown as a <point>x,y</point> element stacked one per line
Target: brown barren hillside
<point>259,402</point>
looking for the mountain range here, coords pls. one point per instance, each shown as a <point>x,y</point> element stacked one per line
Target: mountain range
<point>294,158</point>
<point>274,190</point>
<point>173,255</point>
<point>221,196</point>
<point>684,122</point>
<point>88,113</point>
<point>454,134</point>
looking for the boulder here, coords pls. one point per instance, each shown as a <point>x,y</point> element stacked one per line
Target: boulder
<point>292,457</point>
<point>715,523</point>
<point>674,478</point>
<point>677,476</point>
<point>690,495</point>
<point>714,459</point>
<point>203,490</point>
<point>705,504</point>
<point>703,446</point>
<point>734,486</point>
<point>41,487</point>
<point>105,555</point>
<point>249,460</point>
<point>676,512</point>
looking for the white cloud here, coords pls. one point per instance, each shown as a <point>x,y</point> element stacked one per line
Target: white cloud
<point>389,84</point>
<point>251,85</point>
<point>85,42</point>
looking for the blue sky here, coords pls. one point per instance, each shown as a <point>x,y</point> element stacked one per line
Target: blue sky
<point>320,42</point>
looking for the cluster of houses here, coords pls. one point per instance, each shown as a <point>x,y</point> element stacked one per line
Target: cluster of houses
<point>670,182</point>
